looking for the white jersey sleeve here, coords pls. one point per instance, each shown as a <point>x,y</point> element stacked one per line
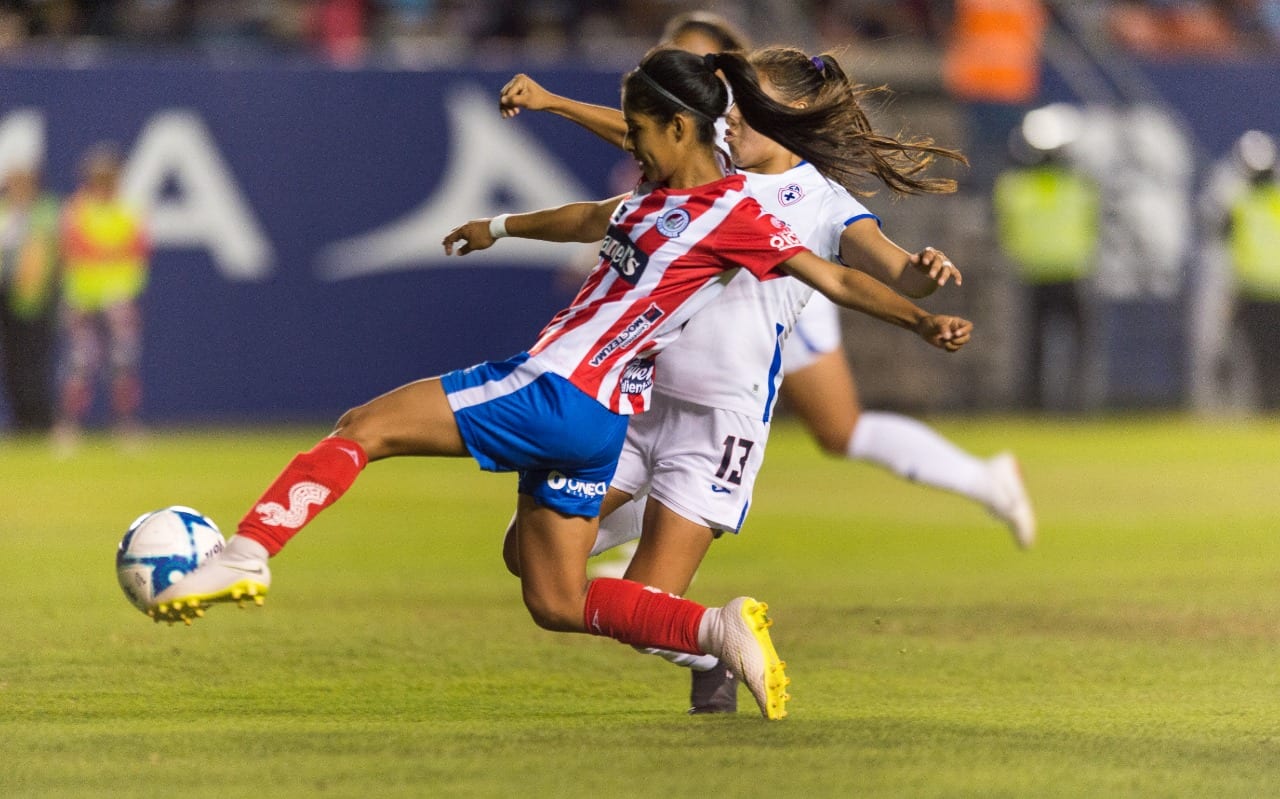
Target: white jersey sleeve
<point>729,354</point>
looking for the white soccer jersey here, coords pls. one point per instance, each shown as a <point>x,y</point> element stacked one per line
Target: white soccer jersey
<point>664,257</point>
<point>730,354</point>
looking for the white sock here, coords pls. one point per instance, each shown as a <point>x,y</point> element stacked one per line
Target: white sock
<point>915,451</point>
<point>695,662</point>
<point>240,548</point>
<point>709,631</point>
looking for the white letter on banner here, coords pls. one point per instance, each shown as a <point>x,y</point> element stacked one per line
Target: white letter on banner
<point>208,211</point>
<point>486,154</point>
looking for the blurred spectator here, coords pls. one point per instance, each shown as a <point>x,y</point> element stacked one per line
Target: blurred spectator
<point>28,278</point>
<point>1046,214</point>
<point>1172,27</point>
<point>339,29</point>
<point>992,65</point>
<point>105,253</point>
<point>1236,308</point>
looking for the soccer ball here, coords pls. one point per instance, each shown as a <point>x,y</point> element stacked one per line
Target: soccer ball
<point>162,547</point>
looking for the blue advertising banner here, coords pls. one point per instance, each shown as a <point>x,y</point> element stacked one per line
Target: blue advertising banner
<point>296,216</point>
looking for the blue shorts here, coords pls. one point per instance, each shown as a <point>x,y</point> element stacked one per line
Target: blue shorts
<point>514,417</point>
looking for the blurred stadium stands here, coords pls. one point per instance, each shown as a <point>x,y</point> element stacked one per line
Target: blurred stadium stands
<point>331,117</point>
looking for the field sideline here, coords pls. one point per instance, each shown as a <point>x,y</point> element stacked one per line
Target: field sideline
<point>1134,652</point>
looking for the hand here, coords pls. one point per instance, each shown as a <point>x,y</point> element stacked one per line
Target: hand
<point>948,333</point>
<point>520,92</point>
<point>936,265</point>
<point>475,233</point>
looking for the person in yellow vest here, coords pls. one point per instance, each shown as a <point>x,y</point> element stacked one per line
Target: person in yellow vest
<point>1253,245</point>
<point>1046,216</point>
<point>105,260</point>
<point>28,293</point>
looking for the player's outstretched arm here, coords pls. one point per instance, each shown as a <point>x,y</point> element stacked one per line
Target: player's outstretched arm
<point>581,222</point>
<point>523,92</point>
<point>863,245</point>
<point>861,292</point>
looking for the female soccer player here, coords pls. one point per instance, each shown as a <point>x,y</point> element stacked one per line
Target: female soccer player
<point>697,453</point>
<point>558,413</point>
<point>820,388</point>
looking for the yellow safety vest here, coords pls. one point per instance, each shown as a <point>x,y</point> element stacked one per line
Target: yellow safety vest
<point>1047,222</point>
<point>105,253</point>
<point>30,268</point>
<point>1254,242</point>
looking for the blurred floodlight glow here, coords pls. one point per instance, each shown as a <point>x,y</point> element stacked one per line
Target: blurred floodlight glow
<point>1257,151</point>
<point>1051,127</point>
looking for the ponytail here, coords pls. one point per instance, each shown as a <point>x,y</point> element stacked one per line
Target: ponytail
<point>831,131</point>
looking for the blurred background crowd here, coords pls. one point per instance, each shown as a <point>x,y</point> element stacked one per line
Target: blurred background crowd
<point>413,32</point>
<point>1119,223</point>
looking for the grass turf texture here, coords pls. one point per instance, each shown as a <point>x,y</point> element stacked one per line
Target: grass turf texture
<point>1132,653</point>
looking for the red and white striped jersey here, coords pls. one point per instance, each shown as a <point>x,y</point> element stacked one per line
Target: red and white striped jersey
<point>667,253</point>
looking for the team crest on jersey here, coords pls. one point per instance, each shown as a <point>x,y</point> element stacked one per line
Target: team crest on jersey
<point>790,194</point>
<point>673,223</point>
<point>623,256</point>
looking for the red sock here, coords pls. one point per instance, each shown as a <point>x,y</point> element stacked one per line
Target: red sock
<point>311,482</point>
<point>642,616</point>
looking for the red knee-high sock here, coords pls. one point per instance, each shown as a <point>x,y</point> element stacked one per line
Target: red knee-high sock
<point>642,616</point>
<point>311,482</point>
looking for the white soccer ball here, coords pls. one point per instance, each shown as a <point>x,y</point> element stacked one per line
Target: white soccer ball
<point>162,547</point>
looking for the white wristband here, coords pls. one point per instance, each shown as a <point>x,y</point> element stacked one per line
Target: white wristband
<point>498,226</point>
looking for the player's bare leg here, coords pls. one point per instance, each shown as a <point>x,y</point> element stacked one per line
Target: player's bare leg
<point>414,419</point>
<point>825,396</point>
<point>667,557</point>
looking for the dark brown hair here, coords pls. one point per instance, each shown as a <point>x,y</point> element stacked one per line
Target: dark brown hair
<point>850,147</point>
<point>832,131</point>
<point>670,81</point>
<point>713,26</point>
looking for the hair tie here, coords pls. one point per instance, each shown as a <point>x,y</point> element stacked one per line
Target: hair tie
<point>819,64</point>
<point>710,60</point>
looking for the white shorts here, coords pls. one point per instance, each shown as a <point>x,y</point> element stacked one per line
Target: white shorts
<point>816,333</point>
<point>699,462</point>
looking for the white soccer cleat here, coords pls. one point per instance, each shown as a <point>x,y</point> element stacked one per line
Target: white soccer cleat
<point>223,578</point>
<point>742,641</point>
<point>1012,505</point>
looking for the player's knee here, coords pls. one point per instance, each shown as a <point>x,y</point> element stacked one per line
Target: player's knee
<point>356,425</point>
<point>554,613</point>
<point>511,552</point>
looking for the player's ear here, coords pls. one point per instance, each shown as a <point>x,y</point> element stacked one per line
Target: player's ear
<point>681,126</point>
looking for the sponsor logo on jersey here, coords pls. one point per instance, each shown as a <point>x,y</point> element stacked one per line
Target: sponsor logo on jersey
<point>581,489</point>
<point>673,223</point>
<point>638,327</point>
<point>637,378</point>
<point>623,255</point>
<point>785,238</point>
<point>719,489</point>
<point>790,194</point>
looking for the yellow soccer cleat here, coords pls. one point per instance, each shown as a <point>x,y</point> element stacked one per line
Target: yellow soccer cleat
<point>219,579</point>
<point>747,650</point>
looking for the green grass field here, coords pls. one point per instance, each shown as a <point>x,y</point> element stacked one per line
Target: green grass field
<point>1134,652</point>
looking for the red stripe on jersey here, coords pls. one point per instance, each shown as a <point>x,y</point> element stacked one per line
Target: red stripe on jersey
<point>656,261</point>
